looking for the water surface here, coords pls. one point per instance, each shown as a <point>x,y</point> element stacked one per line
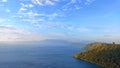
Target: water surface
<point>41,56</point>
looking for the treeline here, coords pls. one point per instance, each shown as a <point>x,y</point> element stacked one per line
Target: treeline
<point>103,54</point>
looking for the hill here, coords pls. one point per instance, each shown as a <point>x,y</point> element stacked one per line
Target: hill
<point>103,54</point>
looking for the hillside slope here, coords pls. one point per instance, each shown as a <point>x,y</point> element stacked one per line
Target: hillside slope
<point>105,55</point>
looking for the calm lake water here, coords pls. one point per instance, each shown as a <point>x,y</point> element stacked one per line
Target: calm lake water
<point>41,56</point>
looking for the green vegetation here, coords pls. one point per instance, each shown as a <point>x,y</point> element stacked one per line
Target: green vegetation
<point>103,54</point>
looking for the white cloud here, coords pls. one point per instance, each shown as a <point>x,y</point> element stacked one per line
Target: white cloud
<point>11,33</point>
<point>44,2</point>
<point>1,20</point>
<point>55,25</point>
<point>23,5</point>
<point>83,29</point>
<point>33,21</point>
<point>29,17</point>
<point>88,2</point>
<point>48,2</point>
<point>29,14</point>
<point>31,5</point>
<point>22,9</point>
<point>34,17</point>
<point>77,7</point>
<point>4,0</point>
<point>73,1</point>
<point>52,16</point>
<point>27,5</point>
<point>72,4</point>
<point>7,10</point>
<point>69,2</point>
<point>37,2</point>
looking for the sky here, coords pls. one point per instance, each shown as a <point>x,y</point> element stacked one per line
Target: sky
<point>36,20</point>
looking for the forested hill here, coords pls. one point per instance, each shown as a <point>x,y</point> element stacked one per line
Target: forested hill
<point>103,54</point>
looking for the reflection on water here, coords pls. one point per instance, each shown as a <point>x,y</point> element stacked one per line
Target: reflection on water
<point>40,56</point>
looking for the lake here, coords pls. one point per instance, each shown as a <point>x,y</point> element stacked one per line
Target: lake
<point>41,56</point>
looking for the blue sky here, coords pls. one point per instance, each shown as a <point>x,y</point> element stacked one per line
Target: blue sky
<point>35,20</point>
